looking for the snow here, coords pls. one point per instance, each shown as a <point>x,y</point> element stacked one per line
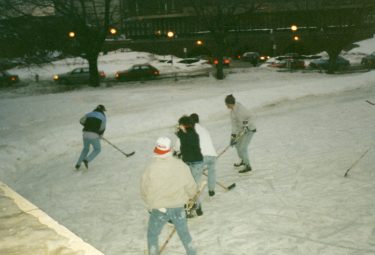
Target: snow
<point>311,128</point>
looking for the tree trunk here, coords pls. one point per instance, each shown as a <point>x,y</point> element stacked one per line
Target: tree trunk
<point>93,66</point>
<point>220,67</point>
<point>219,38</point>
<point>333,53</point>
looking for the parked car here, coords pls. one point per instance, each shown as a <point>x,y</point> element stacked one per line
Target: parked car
<point>226,61</point>
<point>76,76</point>
<point>189,60</point>
<point>289,63</point>
<point>207,59</point>
<point>138,72</point>
<point>369,61</point>
<point>290,55</point>
<point>323,63</point>
<point>7,78</point>
<point>252,57</point>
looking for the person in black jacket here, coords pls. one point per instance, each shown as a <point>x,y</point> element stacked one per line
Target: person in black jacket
<point>190,151</point>
<point>94,124</point>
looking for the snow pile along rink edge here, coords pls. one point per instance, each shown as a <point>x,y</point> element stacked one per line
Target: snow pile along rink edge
<point>25,229</point>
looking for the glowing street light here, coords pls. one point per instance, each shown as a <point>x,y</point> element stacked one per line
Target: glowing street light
<point>113,31</point>
<point>294,28</point>
<point>296,38</point>
<point>199,42</point>
<point>71,34</point>
<point>170,34</point>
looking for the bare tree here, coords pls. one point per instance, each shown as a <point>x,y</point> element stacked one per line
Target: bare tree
<point>219,17</point>
<point>89,20</point>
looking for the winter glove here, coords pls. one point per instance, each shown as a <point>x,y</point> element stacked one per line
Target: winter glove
<point>233,139</point>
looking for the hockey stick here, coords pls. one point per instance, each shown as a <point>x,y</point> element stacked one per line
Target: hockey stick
<point>355,162</point>
<point>227,188</point>
<point>236,140</point>
<point>114,146</point>
<point>368,101</point>
<point>190,205</point>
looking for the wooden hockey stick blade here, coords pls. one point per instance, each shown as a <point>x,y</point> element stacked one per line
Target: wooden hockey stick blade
<point>130,154</point>
<point>233,185</point>
<point>227,188</point>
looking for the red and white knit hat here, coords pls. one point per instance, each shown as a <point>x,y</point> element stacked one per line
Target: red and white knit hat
<point>163,146</point>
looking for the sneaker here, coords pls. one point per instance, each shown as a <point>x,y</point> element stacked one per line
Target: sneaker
<point>245,170</point>
<point>211,193</point>
<point>77,166</point>
<point>86,163</point>
<point>239,164</point>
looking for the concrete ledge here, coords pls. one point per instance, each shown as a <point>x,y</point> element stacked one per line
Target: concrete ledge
<point>25,229</point>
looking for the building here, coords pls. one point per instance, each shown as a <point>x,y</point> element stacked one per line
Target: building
<point>263,27</point>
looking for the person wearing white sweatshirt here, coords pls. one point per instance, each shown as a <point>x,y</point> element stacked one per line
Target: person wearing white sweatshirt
<point>208,151</point>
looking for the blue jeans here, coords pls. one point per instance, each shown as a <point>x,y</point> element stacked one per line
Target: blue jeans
<point>210,162</point>
<point>242,147</point>
<point>196,169</point>
<point>86,148</point>
<point>156,223</point>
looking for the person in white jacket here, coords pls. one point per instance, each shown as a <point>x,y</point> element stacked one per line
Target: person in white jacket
<point>166,185</point>
<point>243,129</point>
<point>208,151</point>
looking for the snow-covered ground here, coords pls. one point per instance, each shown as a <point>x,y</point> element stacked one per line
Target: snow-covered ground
<point>311,128</point>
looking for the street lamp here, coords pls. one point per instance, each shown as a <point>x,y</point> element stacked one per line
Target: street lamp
<point>199,42</point>
<point>71,34</point>
<point>294,28</point>
<point>170,35</point>
<point>296,38</point>
<point>113,31</point>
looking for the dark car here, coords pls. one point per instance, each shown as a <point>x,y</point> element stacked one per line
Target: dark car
<point>369,61</point>
<point>138,72</point>
<point>7,78</point>
<point>252,57</point>
<point>323,63</point>
<point>76,76</point>
<point>290,63</point>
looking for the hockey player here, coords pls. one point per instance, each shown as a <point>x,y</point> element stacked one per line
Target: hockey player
<point>190,151</point>
<point>166,185</point>
<point>94,124</point>
<point>208,152</point>
<point>243,130</point>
